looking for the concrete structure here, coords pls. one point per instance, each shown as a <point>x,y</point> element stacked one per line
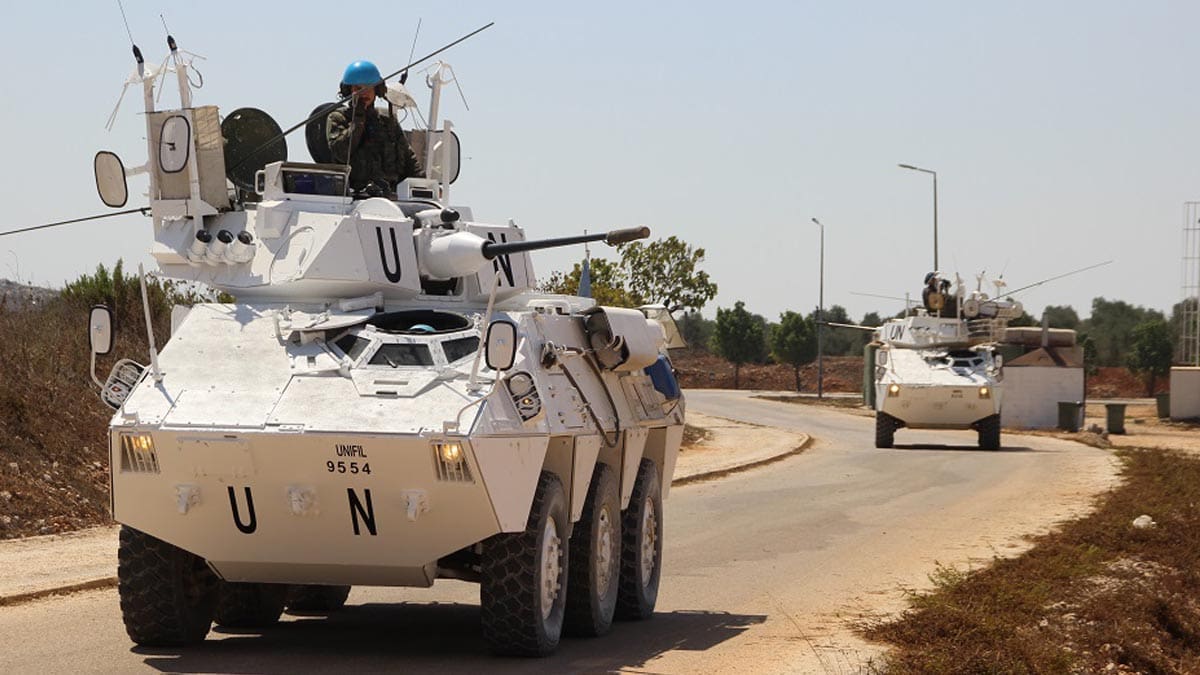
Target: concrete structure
<point>1035,382</point>
<point>1185,392</point>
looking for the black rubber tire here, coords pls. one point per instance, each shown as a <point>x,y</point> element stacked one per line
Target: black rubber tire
<point>314,598</point>
<point>989,432</point>
<point>591,600</point>
<point>636,596</point>
<point>885,430</point>
<point>168,596</point>
<point>512,575</point>
<point>250,605</point>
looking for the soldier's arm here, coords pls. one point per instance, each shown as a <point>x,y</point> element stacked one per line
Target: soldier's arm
<point>409,166</point>
<point>340,133</point>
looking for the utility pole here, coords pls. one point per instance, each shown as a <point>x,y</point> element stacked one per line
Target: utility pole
<point>935,200</point>
<point>821,319</point>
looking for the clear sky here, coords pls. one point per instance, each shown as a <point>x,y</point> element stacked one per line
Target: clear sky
<point>1063,133</point>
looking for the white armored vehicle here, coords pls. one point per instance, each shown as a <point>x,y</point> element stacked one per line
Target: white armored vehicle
<point>388,402</point>
<point>937,367</point>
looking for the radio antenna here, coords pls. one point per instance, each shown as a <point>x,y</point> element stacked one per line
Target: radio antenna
<point>126,20</point>
<point>413,50</point>
<point>1067,274</point>
<point>143,210</point>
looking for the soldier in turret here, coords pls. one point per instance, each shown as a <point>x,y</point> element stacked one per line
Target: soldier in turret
<point>936,296</point>
<point>370,142</point>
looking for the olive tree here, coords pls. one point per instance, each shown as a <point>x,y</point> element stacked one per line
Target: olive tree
<point>793,341</point>
<point>1150,353</point>
<point>738,338</point>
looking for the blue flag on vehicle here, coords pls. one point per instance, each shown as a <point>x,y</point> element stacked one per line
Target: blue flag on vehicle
<point>585,280</point>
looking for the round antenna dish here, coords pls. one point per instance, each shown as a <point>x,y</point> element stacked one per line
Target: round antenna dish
<point>314,134</point>
<point>245,131</point>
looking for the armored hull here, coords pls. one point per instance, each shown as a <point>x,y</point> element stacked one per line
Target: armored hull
<point>283,462</point>
<point>934,373</point>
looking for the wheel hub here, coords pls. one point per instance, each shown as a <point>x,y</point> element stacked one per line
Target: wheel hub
<point>604,551</point>
<point>551,567</point>
<point>649,540</point>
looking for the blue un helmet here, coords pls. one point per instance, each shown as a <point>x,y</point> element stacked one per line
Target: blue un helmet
<point>362,73</point>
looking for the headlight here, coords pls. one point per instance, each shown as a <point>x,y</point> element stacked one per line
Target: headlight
<point>985,392</point>
<point>137,454</point>
<point>451,452</point>
<point>893,389</point>
<point>524,395</point>
<point>451,461</point>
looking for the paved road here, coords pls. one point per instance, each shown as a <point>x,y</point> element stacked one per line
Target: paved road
<point>763,568</point>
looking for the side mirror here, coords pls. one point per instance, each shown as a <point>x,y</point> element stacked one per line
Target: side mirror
<point>100,330</point>
<point>501,349</point>
<point>998,360</point>
<point>110,179</point>
<point>175,143</point>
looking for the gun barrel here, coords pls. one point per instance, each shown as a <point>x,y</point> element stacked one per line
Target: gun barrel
<point>493,249</point>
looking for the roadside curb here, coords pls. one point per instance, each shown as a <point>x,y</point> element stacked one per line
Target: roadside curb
<point>737,467</point>
<point>18,598</point>
<point>699,476</point>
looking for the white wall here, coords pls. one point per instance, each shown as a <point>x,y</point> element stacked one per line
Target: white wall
<point>1185,393</point>
<point>1031,395</point>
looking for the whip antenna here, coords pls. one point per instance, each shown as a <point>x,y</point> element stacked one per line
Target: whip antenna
<point>126,20</point>
<point>413,50</point>
<point>1067,274</point>
<point>143,210</point>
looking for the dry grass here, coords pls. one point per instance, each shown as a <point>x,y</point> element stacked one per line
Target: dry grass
<point>53,427</point>
<point>693,435</point>
<point>1098,596</point>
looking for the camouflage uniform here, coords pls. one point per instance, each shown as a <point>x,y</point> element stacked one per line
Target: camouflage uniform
<point>380,151</point>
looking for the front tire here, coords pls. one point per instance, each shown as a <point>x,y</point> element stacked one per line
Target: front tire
<point>989,433</point>
<point>641,546</point>
<point>522,592</point>
<point>885,430</point>
<point>595,559</point>
<point>250,605</point>
<point>168,596</point>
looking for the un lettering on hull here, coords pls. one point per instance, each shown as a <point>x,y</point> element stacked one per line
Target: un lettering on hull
<point>515,270</point>
<point>388,250</point>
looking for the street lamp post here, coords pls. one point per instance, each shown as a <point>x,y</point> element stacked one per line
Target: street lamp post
<point>935,237</point>
<point>821,318</point>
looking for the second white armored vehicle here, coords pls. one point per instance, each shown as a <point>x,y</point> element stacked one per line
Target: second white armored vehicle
<point>389,402</point>
<point>937,367</point>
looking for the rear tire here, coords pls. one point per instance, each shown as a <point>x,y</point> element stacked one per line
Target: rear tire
<point>168,596</point>
<point>641,546</point>
<point>250,605</point>
<point>522,593</point>
<point>885,430</point>
<point>313,598</point>
<point>595,559</point>
<point>989,432</point>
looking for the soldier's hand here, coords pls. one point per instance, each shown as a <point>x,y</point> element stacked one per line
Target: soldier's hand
<point>373,189</point>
